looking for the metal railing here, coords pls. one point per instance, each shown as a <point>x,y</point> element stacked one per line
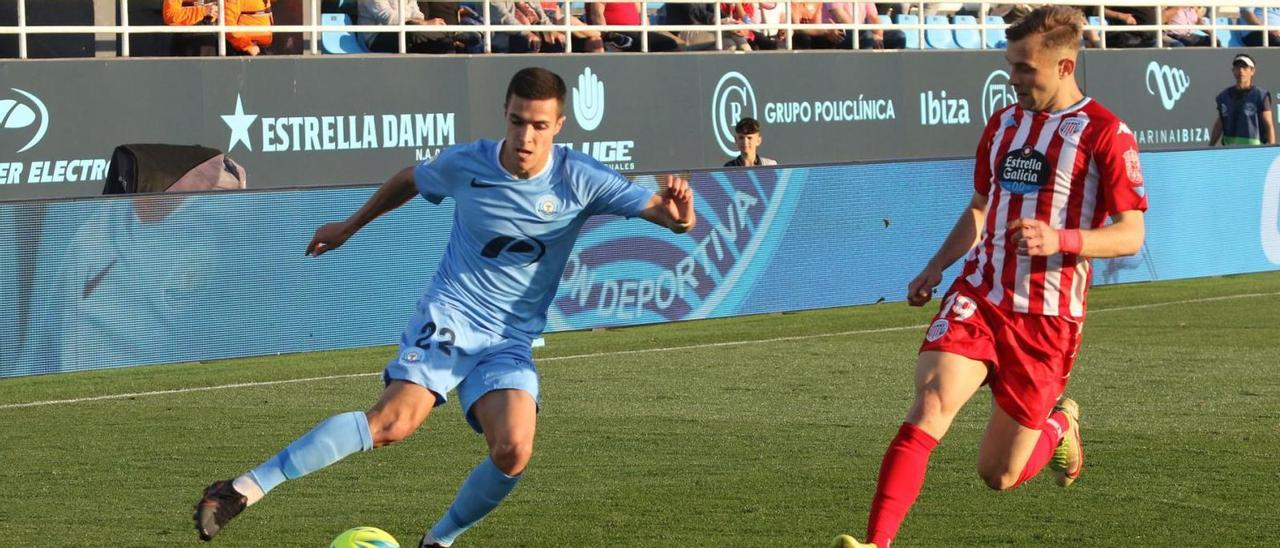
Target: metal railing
<point>1215,8</point>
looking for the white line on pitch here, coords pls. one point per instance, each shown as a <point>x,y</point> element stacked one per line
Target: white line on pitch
<point>603,354</point>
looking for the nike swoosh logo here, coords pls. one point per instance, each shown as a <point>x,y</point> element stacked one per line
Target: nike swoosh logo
<point>475,183</point>
<point>93,282</point>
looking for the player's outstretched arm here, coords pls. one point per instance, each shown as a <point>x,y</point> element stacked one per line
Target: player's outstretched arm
<point>392,194</point>
<point>1120,238</point>
<point>964,235</point>
<point>673,207</point>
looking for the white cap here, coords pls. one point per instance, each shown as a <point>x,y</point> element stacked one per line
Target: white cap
<point>1243,58</point>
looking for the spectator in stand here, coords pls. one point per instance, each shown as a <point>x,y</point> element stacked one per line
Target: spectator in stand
<point>771,14</point>
<point>747,138</point>
<point>859,13</point>
<point>810,13</point>
<point>628,13</point>
<point>1134,15</point>
<point>520,13</point>
<point>385,12</point>
<point>191,12</point>
<point>1185,15</point>
<point>526,13</point>
<point>1253,16</point>
<point>750,13</point>
<point>248,12</point>
<point>585,40</point>
<point>702,14</point>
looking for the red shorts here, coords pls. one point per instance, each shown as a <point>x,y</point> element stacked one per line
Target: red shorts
<point>1028,356</point>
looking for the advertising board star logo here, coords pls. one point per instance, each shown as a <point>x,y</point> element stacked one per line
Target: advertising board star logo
<point>239,124</point>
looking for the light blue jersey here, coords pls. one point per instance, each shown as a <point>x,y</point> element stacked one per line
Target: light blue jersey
<point>511,237</point>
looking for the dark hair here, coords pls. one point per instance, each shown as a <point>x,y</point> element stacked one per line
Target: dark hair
<point>536,84</point>
<point>1058,26</point>
<point>747,126</point>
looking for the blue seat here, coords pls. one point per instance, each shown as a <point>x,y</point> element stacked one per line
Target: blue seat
<point>996,38</point>
<point>968,38</point>
<point>339,42</point>
<point>912,35</point>
<point>938,38</point>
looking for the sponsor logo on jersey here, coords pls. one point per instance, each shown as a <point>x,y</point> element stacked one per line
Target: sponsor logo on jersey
<point>1024,171</point>
<point>937,330</point>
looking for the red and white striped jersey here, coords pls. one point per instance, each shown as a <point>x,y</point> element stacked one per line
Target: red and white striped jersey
<point>1071,169</point>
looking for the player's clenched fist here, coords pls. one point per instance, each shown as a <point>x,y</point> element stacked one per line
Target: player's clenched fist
<point>920,290</point>
<point>1033,237</point>
<point>328,237</point>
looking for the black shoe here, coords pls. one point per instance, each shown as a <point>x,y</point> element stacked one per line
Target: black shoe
<point>219,504</point>
<point>423,543</point>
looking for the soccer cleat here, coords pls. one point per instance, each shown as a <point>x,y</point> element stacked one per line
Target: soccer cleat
<point>846,541</point>
<point>1068,457</point>
<point>217,506</point>
<point>423,544</point>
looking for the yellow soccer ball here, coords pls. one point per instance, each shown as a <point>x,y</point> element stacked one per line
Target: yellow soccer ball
<point>365,537</point>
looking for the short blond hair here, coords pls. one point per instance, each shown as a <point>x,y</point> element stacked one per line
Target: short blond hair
<point>1058,26</point>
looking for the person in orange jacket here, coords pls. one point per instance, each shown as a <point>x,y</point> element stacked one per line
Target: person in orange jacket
<point>248,12</point>
<point>189,12</point>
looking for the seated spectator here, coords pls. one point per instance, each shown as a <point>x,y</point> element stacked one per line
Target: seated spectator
<point>590,41</point>
<point>810,13</point>
<point>750,13</point>
<point>704,14</point>
<point>862,13</point>
<point>384,12</point>
<point>1090,38</point>
<point>191,12</point>
<point>628,13</point>
<point>1253,16</point>
<point>841,13</point>
<point>746,136</point>
<point>248,12</point>
<point>1134,15</point>
<point>525,13</point>
<point>772,14</point>
<point>1185,15</point>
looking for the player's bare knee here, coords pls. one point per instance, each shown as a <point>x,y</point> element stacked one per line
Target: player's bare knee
<point>930,413</point>
<point>386,429</point>
<point>512,457</point>
<point>999,480</point>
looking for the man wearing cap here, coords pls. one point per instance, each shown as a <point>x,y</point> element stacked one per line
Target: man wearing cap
<point>1244,110</point>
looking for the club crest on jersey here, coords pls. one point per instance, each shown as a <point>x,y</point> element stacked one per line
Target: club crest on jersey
<point>937,330</point>
<point>412,355</point>
<point>547,206</point>
<point>1024,171</point>
<point>1133,167</point>
<point>1070,127</point>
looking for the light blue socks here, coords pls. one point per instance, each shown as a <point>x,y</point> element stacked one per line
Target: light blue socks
<point>479,495</point>
<point>327,443</point>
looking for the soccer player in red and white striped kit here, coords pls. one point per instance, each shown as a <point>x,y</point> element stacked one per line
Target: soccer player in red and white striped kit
<point>1050,171</point>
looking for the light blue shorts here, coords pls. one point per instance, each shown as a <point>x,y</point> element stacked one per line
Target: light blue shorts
<point>441,349</point>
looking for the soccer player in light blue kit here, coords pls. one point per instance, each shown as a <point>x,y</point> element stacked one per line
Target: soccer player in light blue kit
<point>519,205</point>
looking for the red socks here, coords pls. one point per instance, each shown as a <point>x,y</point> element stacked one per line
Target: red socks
<point>901,476</point>
<point>1050,434</point>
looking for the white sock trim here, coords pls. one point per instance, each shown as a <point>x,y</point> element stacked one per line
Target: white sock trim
<point>428,540</point>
